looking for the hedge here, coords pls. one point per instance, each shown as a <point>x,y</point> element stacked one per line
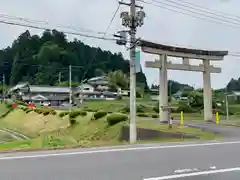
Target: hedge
<point>140,108</point>
<point>45,111</point>
<point>115,118</point>
<point>99,114</point>
<point>75,114</point>
<point>28,110</point>
<point>142,115</point>
<point>62,114</point>
<point>72,121</point>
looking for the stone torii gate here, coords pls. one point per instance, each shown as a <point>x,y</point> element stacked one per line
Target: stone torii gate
<point>186,54</point>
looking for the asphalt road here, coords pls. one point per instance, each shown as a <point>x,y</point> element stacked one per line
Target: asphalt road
<point>228,132</point>
<point>138,162</point>
<point>225,131</point>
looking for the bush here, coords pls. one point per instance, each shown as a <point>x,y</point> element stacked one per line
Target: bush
<point>25,108</point>
<point>115,118</point>
<point>90,110</point>
<point>185,108</point>
<point>62,114</point>
<point>155,115</point>
<point>156,109</point>
<point>20,103</point>
<point>28,111</point>
<point>139,109</point>
<point>83,113</point>
<point>142,115</point>
<point>72,121</point>
<point>45,113</point>
<point>75,114</point>
<point>9,106</point>
<point>39,111</point>
<point>53,112</point>
<point>99,114</point>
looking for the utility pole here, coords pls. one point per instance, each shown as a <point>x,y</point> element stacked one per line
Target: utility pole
<point>70,85</point>
<point>3,87</point>
<point>59,77</point>
<point>132,21</point>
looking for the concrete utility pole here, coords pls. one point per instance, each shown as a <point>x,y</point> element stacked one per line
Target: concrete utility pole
<point>3,87</point>
<point>132,20</point>
<point>70,84</point>
<point>59,77</point>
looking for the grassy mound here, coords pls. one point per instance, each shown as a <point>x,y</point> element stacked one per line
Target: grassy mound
<point>55,131</point>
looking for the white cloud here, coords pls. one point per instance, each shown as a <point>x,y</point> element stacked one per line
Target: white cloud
<point>161,25</point>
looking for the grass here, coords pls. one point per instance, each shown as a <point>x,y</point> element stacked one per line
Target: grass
<point>3,109</point>
<point>32,124</point>
<point>56,132</point>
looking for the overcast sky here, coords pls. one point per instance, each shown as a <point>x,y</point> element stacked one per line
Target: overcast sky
<point>161,25</point>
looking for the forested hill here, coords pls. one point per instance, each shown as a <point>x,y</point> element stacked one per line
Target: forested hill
<point>44,59</point>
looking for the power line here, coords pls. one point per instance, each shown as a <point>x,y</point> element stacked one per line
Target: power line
<point>27,20</point>
<point>209,9</point>
<point>113,17</point>
<point>66,32</point>
<point>203,17</point>
<point>196,7</point>
<point>94,57</point>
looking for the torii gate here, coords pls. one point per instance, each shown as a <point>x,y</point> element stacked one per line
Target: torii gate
<point>162,64</point>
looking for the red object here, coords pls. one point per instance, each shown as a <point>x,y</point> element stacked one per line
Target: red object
<point>31,105</point>
<point>14,105</point>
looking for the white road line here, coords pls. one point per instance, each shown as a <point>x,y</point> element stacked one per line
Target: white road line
<point>176,176</point>
<point>94,151</point>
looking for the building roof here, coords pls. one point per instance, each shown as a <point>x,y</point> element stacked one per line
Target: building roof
<point>149,44</point>
<point>236,93</point>
<point>97,78</point>
<point>18,86</point>
<point>45,98</point>
<point>50,89</point>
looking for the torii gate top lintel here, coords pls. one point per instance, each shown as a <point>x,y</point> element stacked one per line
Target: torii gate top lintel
<point>154,48</point>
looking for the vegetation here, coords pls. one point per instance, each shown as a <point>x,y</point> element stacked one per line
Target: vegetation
<point>77,130</point>
<point>38,59</point>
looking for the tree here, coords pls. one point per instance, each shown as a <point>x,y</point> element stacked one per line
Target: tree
<point>117,79</point>
<point>39,59</point>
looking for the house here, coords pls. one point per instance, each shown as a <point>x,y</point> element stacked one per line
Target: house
<point>99,83</point>
<point>52,95</point>
<point>58,95</point>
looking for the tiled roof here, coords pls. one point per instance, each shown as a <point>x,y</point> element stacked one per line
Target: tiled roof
<point>97,78</point>
<point>50,89</point>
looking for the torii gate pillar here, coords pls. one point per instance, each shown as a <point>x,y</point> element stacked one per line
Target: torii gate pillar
<point>163,88</point>
<point>207,91</point>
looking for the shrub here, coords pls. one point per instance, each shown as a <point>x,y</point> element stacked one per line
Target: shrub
<point>53,112</point>
<point>20,103</point>
<point>72,121</point>
<point>83,113</point>
<point>9,106</point>
<point>25,108</point>
<point>142,115</point>
<point>28,111</point>
<point>185,108</point>
<point>39,111</point>
<point>139,109</point>
<point>99,114</point>
<point>45,113</point>
<point>62,114</point>
<point>90,109</point>
<point>155,115</point>
<point>115,118</point>
<point>75,114</point>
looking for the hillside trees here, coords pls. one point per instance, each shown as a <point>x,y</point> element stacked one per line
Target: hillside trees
<point>40,59</point>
